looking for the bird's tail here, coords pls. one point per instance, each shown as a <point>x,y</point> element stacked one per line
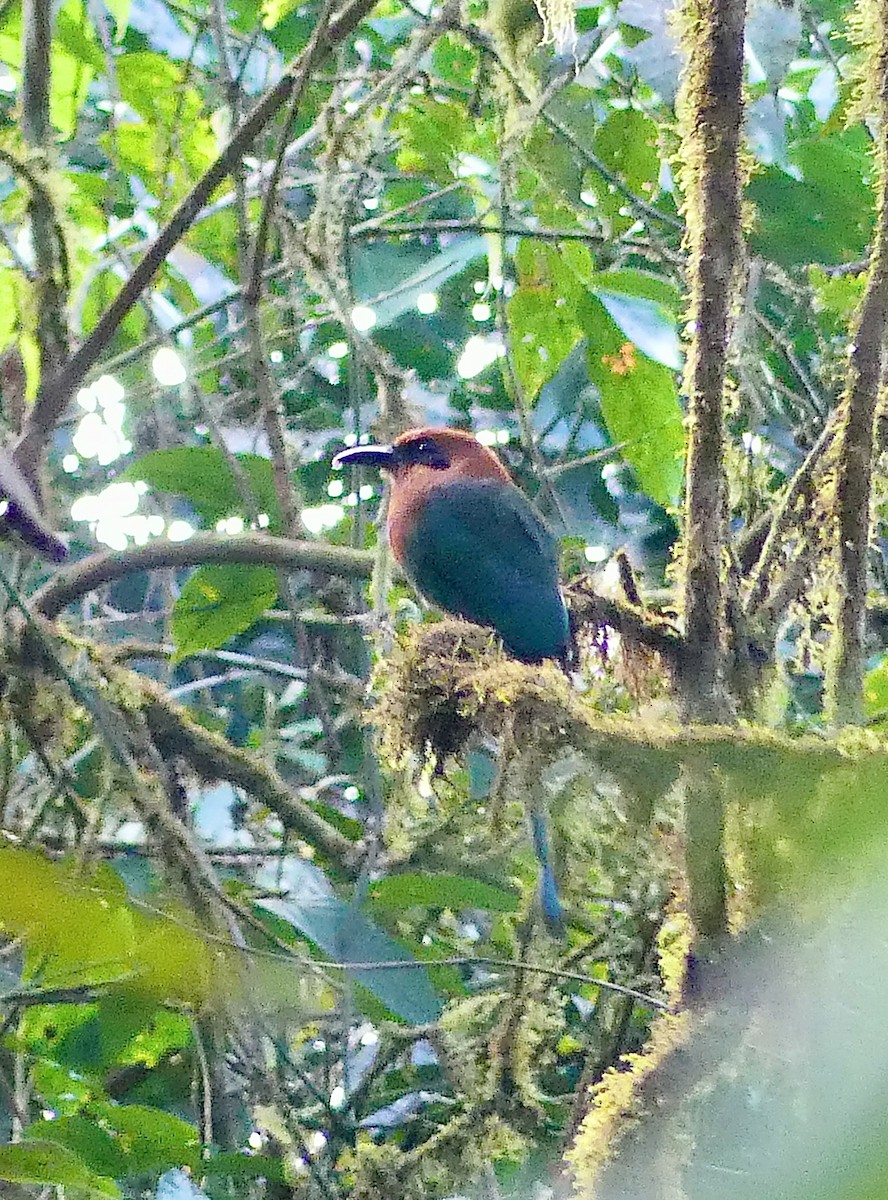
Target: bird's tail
<point>550,902</point>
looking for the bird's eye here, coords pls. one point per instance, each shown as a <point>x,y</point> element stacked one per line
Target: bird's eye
<point>425,452</point>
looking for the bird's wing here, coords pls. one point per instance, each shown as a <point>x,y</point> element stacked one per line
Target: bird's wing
<point>479,549</point>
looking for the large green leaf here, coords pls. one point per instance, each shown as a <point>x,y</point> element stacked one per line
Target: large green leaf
<point>826,215</point>
<point>201,475</point>
<point>45,1163</point>
<point>79,929</point>
<point>345,934</point>
<point>124,1139</point>
<point>441,891</point>
<point>218,602</point>
<point>639,403</point>
<point>543,333</point>
<point>390,279</point>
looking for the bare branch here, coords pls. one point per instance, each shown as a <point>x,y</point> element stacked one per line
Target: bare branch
<point>84,577</point>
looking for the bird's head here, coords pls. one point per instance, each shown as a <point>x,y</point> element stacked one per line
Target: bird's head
<point>425,453</point>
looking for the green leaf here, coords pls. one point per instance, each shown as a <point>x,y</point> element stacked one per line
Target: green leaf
<point>77,37</point>
<point>81,930</point>
<point>432,131</point>
<point>629,281</point>
<point>455,61</point>
<point>408,275</point>
<point>639,403</point>
<point>120,11</point>
<point>543,334</point>
<point>441,891</point>
<point>201,475</point>
<point>627,142</point>
<point>345,934</point>
<point>152,1139</point>
<point>542,319</point>
<point>8,305</point>
<point>46,1163</point>
<point>83,1137</point>
<point>827,215</point>
<point>233,1165</point>
<point>875,689</point>
<point>218,602</point>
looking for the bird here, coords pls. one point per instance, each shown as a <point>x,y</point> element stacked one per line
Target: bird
<point>476,547</point>
<point>21,520</point>
<point>470,540</point>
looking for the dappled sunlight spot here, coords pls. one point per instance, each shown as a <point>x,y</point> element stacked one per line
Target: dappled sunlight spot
<point>116,500</point>
<point>168,368</point>
<point>493,437</point>
<point>99,433</point>
<point>480,351</point>
<point>470,165</point>
<point>70,463</point>
<point>427,303</point>
<point>337,350</point>
<point>180,531</point>
<point>481,312</point>
<point>322,517</point>
<point>113,516</point>
<point>231,525</point>
<point>363,317</point>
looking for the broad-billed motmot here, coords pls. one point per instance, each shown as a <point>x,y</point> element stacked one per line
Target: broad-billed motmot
<point>471,541</point>
<point>476,547</point>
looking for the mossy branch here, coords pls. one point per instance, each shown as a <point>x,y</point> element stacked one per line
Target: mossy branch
<point>844,684</point>
<point>712,118</point>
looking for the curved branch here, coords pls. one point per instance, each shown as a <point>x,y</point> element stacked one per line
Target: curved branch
<point>77,581</point>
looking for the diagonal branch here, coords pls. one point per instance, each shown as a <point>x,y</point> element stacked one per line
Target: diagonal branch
<point>56,392</point>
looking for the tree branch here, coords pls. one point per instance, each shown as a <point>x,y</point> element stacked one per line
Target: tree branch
<point>712,118</point>
<point>55,393</point>
<point>844,679</point>
<point>72,583</point>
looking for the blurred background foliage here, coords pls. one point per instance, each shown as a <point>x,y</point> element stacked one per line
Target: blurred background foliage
<point>210,841</point>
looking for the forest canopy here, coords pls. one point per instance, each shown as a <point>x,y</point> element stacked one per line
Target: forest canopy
<point>277,833</point>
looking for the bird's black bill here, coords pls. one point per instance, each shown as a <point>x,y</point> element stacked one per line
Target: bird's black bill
<point>366,456</point>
